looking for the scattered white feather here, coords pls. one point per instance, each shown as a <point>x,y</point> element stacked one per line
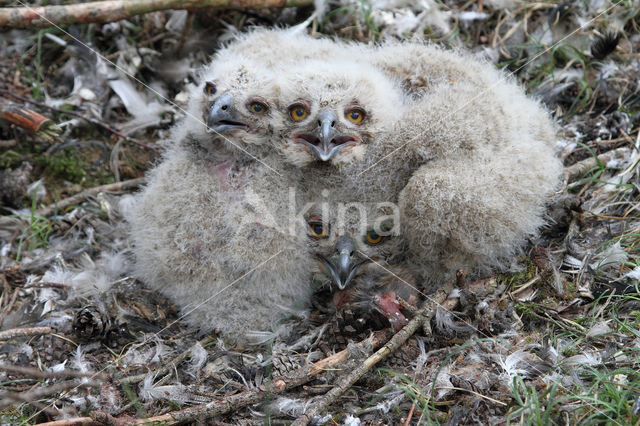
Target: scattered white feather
<point>612,257</point>
<point>57,368</point>
<point>587,358</point>
<point>443,385</point>
<point>599,329</point>
<point>146,112</point>
<point>468,17</point>
<point>291,407</point>
<point>80,363</point>
<point>634,274</point>
<point>38,189</point>
<point>351,421</point>
<point>48,296</point>
<point>512,366</point>
<point>58,275</point>
<point>197,360</point>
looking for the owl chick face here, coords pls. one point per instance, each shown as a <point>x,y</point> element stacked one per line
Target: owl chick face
<point>347,239</point>
<point>236,100</point>
<point>333,111</point>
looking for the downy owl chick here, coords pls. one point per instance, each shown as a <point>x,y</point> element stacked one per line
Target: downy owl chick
<point>213,228</point>
<point>206,236</point>
<point>359,253</point>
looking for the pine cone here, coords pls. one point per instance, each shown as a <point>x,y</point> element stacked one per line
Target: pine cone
<point>90,323</point>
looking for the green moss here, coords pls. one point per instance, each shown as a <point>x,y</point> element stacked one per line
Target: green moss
<point>514,279</point>
<point>8,159</point>
<point>65,165</point>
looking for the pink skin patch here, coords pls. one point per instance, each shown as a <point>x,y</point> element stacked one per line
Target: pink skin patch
<point>221,172</point>
<point>341,298</point>
<point>389,307</point>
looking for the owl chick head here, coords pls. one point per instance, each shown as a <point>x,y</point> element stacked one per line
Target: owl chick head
<point>347,238</point>
<point>333,110</point>
<point>235,100</point>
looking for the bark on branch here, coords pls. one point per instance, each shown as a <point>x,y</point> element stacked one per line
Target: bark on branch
<point>115,10</point>
<point>29,120</point>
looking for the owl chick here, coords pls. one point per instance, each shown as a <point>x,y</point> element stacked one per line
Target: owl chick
<point>207,234</point>
<point>211,230</point>
<point>359,253</point>
<point>467,144</point>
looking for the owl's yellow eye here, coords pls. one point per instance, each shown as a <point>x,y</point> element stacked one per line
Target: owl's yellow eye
<point>210,88</point>
<point>373,238</point>
<point>258,107</point>
<point>355,115</point>
<point>318,229</point>
<point>298,112</point>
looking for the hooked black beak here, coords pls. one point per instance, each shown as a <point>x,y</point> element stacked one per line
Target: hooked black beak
<point>325,142</point>
<point>344,263</point>
<point>221,116</point>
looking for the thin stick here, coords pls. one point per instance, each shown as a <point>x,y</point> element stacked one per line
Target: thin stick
<point>34,372</point>
<point>425,314</point>
<point>91,120</point>
<point>76,421</point>
<point>26,331</point>
<point>41,392</point>
<point>110,11</point>
<point>91,192</point>
<point>581,167</point>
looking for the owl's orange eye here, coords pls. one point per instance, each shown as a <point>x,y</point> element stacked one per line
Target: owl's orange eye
<point>318,229</point>
<point>298,112</point>
<point>355,115</point>
<point>210,88</point>
<point>373,238</point>
<point>258,107</point>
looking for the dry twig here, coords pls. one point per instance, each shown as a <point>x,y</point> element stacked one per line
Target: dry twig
<point>7,397</point>
<point>26,331</point>
<point>425,314</point>
<point>91,120</point>
<point>91,192</point>
<point>115,10</point>
<point>34,372</point>
<point>29,120</point>
<point>581,167</point>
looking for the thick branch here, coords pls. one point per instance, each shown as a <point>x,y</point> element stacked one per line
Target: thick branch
<point>110,11</point>
<point>29,120</point>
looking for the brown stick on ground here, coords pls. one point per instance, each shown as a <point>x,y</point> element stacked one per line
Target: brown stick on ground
<point>75,199</point>
<point>29,120</point>
<point>26,331</point>
<point>396,341</point>
<point>581,167</point>
<point>76,114</point>
<point>34,372</point>
<point>115,10</point>
<point>7,398</point>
